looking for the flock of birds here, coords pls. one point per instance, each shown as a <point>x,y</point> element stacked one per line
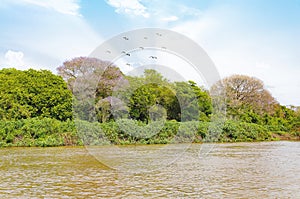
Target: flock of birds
<point>142,48</point>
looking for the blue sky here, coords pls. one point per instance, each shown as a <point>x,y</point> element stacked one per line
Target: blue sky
<point>254,37</point>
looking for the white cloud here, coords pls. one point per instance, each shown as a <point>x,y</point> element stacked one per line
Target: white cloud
<point>129,7</point>
<point>49,47</point>
<point>262,66</point>
<point>70,7</point>
<point>14,59</point>
<point>198,29</point>
<point>236,48</point>
<point>169,19</point>
<point>185,10</point>
<point>46,46</point>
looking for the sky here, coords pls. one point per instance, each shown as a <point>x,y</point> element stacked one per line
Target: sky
<point>258,38</point>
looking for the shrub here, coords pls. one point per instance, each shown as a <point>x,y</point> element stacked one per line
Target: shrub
<point>242,131</point>
<point>37,132</point>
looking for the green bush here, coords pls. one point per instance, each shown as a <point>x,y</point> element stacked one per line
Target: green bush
<point>91,133</point>
<point>240,131</point>
<point>46,132</point>
<point>37,132</point>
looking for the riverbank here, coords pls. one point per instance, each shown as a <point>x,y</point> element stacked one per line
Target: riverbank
<point>48,132</point>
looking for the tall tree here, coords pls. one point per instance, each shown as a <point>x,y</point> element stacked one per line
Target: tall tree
<point>83,66</point>
<point>193,102</point>
<point>204,101</point>
<point>245,93</point>
<point>91,80</point>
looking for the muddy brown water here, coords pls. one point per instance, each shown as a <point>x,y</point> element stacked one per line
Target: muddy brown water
<point>238,170</point>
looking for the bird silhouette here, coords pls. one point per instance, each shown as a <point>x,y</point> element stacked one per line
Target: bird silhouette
<point>153,57</point>
<point>108,51</point>
<point>126,38</point>
<point>158,34</point>
<point>128,54</point>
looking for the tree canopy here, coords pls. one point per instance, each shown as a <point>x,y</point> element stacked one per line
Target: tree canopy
<point>181,101</point>
<point>32,93</point>
<point>244,94</point>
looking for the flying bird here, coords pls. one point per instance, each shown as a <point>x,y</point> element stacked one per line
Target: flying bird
<point>153,57</point>
<point>108,51</point>
<point>128,54</point>
<point>126,38</point>
<point>158,34</point>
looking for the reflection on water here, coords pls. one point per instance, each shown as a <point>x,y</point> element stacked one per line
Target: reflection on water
<point>240,170</point>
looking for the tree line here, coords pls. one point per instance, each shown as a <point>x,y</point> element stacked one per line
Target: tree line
<point>252,113</point>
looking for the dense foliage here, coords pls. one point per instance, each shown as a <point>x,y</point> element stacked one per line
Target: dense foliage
<point>38,132</point>
<point>151,97</point>
<point>52,132</point>
<point>247,101</point>
<point>112,108</point>
<point>245,94</point>
<point>32,93</point>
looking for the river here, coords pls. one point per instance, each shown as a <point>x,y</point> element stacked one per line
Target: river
<point>231,170</point>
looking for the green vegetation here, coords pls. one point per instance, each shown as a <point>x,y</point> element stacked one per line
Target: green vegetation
<point>38,132</point>
<point>31,93</point>
<point>112,108</point>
